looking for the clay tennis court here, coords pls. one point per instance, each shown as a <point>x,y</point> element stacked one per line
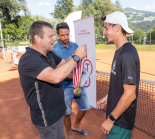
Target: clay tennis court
<point>147,67</point>
<point>14,112</point>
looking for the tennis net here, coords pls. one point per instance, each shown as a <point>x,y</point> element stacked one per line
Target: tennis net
<point>145,114</point>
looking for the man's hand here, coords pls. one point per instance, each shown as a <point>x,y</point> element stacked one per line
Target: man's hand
<point>81,51</point>
<point>107,126</point>
<point>102,102</point>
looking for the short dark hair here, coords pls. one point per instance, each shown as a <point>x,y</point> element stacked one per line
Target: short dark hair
<point>37,29</point>
<point>62,25</point>
<point>123,31</point>
<point>103,18</point>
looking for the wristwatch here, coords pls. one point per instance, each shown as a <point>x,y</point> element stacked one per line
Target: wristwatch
<point>112,118</point>
<point>76,58</point>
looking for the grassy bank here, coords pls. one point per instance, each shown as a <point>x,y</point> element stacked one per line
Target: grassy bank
<point>138,47</point>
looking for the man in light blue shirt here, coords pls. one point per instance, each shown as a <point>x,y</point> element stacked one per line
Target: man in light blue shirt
<point>65,49</point>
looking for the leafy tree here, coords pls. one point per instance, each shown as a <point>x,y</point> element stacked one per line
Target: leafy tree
<point>40,18</point>
<point>99,8</point>
<point>24,23</point>
<point>11,8</point>
<point>85,3</point>
<point>11,29</point>
<point>152,32</point>
<point>144,25</point>
<point>18,28</point>
<point>138,36</point>
<point>62,9</point>
<point>54,22</point>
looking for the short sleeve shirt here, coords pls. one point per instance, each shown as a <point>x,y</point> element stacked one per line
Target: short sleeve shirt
<point>46,100</point>
<point>65,53</point>
<point>125,70</point>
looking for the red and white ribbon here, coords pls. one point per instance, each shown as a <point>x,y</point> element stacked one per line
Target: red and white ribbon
<point>77,72</point>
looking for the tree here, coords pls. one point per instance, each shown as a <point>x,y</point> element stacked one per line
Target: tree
<point>62,9</point>
<point>152,32</point>
<point>54,22</point>
<point>18,29</point>
<point>85,3</point>
<point>138,36</point>
<point>11,8</point>
<point>99,8</point>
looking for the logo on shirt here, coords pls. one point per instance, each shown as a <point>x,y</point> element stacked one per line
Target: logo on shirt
<point>113,68</point>
<point>53,61</point>
<point>114,65</point>
<point>130,78</point>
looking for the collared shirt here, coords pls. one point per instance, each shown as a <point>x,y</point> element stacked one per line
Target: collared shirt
<point>65,53</point>
<point>46,100</point>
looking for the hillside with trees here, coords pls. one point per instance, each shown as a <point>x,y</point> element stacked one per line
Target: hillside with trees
<point>139,19</point>
<point>15,27</point>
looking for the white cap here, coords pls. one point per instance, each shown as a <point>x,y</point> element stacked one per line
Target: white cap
<point>120,18</point>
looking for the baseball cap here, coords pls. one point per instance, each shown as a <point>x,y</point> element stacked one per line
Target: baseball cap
<point>120,18</point>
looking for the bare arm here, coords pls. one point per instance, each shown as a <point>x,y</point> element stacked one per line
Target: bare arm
<point>125,101</point>
<point>63,61</point>
<point>62,71</point>
<point>57,75</point>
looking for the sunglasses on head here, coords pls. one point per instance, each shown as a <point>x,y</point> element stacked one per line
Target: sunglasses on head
<point>64,24</point>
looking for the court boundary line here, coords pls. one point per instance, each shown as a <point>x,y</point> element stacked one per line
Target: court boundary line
<point>10,99</point>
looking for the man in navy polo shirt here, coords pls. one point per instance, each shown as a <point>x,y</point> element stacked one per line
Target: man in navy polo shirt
<point>64,49</point>
<point>41,72</point>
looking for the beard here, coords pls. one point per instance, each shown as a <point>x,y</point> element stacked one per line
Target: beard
<point>65,41</point>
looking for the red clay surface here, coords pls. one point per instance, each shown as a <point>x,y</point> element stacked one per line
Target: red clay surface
<point>147,67</point>
<point>14,111</point>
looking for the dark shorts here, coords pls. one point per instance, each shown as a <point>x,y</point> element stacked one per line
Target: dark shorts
<point>119,133</point>
<point>55,131</point>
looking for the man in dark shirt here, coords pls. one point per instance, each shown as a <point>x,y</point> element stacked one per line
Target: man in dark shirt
<point>124,80</point>
<point>41,72</point>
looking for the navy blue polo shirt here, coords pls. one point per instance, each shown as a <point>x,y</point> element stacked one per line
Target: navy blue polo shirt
<point>46,100</point>
<point>64,52</point>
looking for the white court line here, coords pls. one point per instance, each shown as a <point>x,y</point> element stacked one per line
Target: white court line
<point>9,72</point>
<point>10,99</point>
